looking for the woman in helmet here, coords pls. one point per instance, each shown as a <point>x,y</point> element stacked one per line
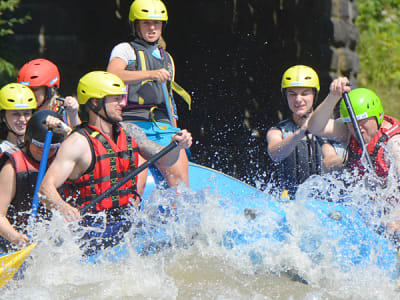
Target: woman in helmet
<point>297,153</point>
<point>16,104</point>
<point>146,67</point>
<point>43,77</point>
<point>381,133</point>
<point>18,174</point>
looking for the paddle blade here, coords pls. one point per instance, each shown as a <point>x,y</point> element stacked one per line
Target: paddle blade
<point>10,263</point>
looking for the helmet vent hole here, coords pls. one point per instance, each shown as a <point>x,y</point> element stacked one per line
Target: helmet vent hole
<point>83,92</point>
<point>307,78</point>
<point>116,84</point>
<point>145,10</point>
<point>288,78</point>
<point>34,77</point>
<point>11,100</point>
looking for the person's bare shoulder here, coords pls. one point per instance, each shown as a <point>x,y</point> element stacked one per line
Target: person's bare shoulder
<point>75,149</point>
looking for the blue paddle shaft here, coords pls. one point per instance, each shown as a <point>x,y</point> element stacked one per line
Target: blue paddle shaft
<point>167,104</point>
<point>42,171</point>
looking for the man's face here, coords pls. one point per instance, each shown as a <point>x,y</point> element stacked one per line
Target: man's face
<point>368,128</point>
<point>37,152</point>
<point>114,105</point>
<point>300,100</point>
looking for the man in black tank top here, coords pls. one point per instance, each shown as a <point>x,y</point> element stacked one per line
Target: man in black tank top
<point>297,153</point>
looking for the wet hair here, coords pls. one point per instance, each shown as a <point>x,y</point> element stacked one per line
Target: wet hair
<point>3,126</point>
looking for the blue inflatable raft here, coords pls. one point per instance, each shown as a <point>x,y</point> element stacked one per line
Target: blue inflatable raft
<point>324,231</point>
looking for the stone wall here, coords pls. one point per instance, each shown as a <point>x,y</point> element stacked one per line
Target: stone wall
<point>230,54</point>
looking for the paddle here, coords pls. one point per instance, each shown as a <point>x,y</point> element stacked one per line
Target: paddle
<point>168,104</point>
<point>10,263</point>
<point>42,171</point>
<point>43,162</point>
<point>360,138</point>
<point>128,177</point>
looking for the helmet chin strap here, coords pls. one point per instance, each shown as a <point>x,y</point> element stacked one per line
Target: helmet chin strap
<point>96,110</point>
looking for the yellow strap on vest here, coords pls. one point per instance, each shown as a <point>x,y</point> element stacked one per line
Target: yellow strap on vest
<point>154,120</point>
<point>144,68</point>
<point>177,88</point>
<point>181,92</point>
<point>94,134</point>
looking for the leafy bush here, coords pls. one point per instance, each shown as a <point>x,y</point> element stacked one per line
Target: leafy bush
<point>7,22</point>
<point>379,49</point>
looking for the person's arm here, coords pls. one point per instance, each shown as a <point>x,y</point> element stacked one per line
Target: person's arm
<point>331,160</point>
<point>278,147</point>
<point>321,123</point>
<point>7,193</point>
<point>72,107</point>
<point>117,66</point>
<point>148,148</point>
<point>73,158</point>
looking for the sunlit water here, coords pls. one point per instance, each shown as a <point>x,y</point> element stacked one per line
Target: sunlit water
<point>196,265</point>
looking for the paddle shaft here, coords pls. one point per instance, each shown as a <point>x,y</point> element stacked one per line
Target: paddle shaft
<point>168,104</point>
<point>357,129</point>
<point>43,164</point>
<point>128,177</point>
<point>42,170</point>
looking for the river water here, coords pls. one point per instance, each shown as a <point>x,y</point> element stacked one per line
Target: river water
<point>195,265</point>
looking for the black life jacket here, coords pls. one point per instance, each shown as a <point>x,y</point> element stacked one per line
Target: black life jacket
<point>148,93</point>
<point>304,161</point>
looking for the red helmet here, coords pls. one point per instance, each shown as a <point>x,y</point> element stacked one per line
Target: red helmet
<point>39,72</point>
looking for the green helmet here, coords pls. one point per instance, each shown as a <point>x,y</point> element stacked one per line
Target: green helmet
<point>365,104</point>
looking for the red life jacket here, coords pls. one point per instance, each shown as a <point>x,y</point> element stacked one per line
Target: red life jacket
<point>375,149</point>
<point>110,163</point>
<point>26,170</point>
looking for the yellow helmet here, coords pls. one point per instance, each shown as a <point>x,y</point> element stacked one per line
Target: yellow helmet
<point>98,84</point>
<point>300,76</point>
<point>16,96</point>
<point>148,10</point>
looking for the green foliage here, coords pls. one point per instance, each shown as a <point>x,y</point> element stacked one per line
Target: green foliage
<point>7,22</point>
<point>379,49</point>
